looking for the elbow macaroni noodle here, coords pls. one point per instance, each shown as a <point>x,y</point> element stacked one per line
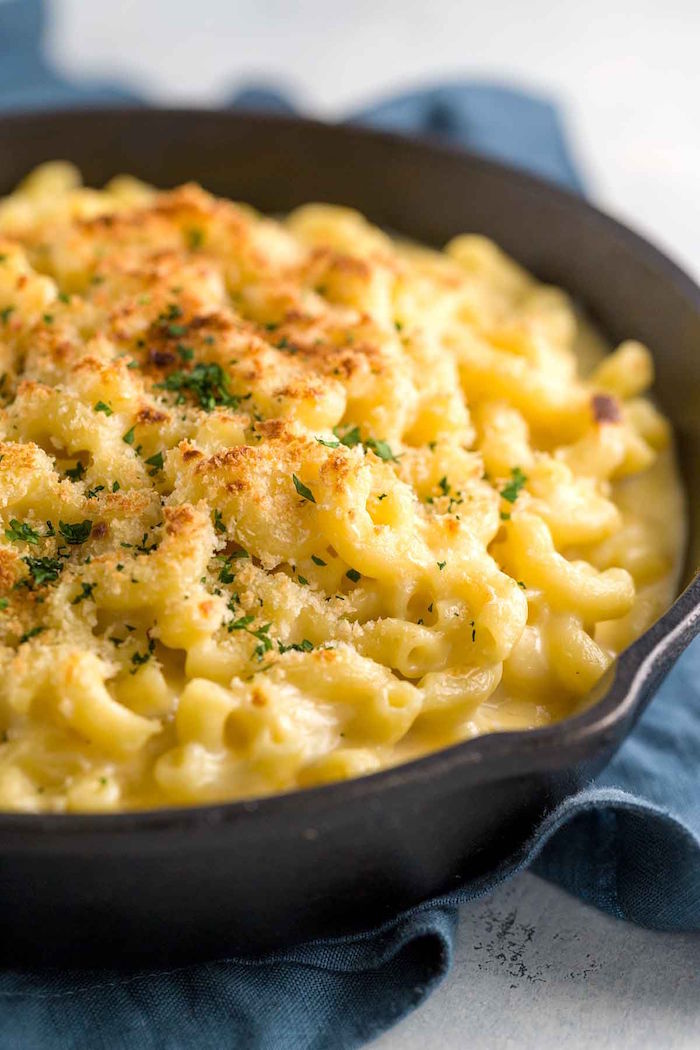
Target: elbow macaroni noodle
<point>288,502</point>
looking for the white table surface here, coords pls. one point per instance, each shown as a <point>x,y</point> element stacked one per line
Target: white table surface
<point>534,969</point>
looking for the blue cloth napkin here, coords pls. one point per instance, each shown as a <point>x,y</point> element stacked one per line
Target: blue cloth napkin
<point>629,844</point>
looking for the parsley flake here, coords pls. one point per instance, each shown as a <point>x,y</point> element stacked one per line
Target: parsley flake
<point>86,590</point>
<point>75,533</point>
<point>303,489</point>
<point>318,561</point>
<point>101,406</point>
<point>513,487</point>
<point>354,575</point>
<point>300,647</point>
<point>156,462</point>
<point>21,532</point>
<point>31,634</point>
<point>241,623</point>
<point>206,382</point>
<point>225,574</point>
<point>350,438</point>
<point>43,570</point>
<point>76,472</point>
<point>128,438</point>
<point>139,659</point>
<point>381,449</point>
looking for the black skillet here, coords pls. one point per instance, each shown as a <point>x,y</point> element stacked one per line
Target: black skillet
<point>250,876</point>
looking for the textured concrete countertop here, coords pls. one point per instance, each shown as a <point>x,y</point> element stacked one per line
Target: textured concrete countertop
<point>535,969</point>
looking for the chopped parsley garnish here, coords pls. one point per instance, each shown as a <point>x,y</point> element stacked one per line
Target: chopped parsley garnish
<point>139,659</point>
<point>444,486</point>
<point>77,472</point>
<point>86,590</point>
<point>219,525</point>
<point>303,581</point>
<point>207,382</point>
<point>186,353</point>
<point>31,634</point>
<point>521,584</point>
<point>115,486</point>
<point>350,438</point>
<point>441,565</point>
<point>75,533</point>
<point>303,490</point>
<point>504,516</point>
<point>513,487</point>
<point>284,344</point>
<point>318,561</point>
<point>50,530</point>
<point>195,239</point>
<point>263,637</point>
<point>48,318</point>
<point>261,634</point>
<point>44,570</point>
<point>382,496</point>
<point>101,406</point>
<point>64,297</point>
<point>156,462</point>
<point>381,449</point>
<point>300,647</point>
<point>5,313</point>
<point>143,547</point>
<point>354,575</point>
<point>21,532</point>
<point>4,602</point>
<point>91,493</point>
<point>225,574</point>
<point>128,438</point>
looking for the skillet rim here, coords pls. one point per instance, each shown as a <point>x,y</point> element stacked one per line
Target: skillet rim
<point>489,757</point>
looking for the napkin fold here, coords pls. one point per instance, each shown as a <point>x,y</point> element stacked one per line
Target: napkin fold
<point>628,844</point>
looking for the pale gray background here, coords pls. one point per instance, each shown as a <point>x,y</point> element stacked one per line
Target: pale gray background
<point>534,969</point>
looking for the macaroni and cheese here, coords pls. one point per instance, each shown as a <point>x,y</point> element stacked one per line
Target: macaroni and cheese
<point>286,502</point>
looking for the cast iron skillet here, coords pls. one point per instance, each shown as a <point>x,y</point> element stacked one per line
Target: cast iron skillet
<point>249,876</point>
